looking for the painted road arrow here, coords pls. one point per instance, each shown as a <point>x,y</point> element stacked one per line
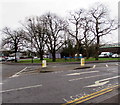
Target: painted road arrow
<point>102,82</point>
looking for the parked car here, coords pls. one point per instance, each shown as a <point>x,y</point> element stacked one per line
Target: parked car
<point>35,57</point>
<point>115,56</point>
<point>10,58</point>
<point>2,59</point>
<point>105,55</point>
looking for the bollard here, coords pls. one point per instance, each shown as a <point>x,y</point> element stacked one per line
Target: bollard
<point>82,61</point>
<point>44,63</point>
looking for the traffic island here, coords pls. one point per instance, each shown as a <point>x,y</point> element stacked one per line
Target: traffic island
<point>83,67</point>
<point>45,70</point>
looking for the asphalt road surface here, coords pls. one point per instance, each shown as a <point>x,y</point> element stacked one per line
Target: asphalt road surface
<point>90,85</point>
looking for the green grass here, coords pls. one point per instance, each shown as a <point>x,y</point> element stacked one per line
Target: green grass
<point>63,60</point>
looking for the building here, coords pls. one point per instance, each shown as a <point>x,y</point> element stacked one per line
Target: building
<point>114,48</point>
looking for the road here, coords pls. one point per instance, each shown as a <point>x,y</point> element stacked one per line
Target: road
<point>90,85</point>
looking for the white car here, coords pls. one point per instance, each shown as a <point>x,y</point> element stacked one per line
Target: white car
<point>105,54</point>
<point>10,58</point>
<point>2,59</point>
<point>35,57</point>
<point>115,55</point>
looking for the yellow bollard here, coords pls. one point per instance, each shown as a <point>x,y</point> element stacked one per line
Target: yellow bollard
<point>44,63</point>
<point>82,61</point>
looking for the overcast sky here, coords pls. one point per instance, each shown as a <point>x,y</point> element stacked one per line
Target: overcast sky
<point>14,11</point>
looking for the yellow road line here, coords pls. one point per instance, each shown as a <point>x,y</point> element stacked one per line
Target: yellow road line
<point>90,95</point>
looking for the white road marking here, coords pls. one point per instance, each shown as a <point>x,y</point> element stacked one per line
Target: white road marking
<point>102,82</point>
<point>17,74</point>
<point>54,66</point>
<point>94,66</point>
<point>81,73</point>
<point>58,72</point>
<point>22,88</point>
<point>98,84</point>
<point>117,64</point>
<point>106,65</point>
<point>65,100</point>
<point>108,78</point>
<point>87,77</point>
<point>1,83</point>
<point>73,74</point>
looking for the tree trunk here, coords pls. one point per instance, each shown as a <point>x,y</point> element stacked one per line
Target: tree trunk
<point>97,49</point>
<point>15,57</point>
<point>78,50</point>
<point>15,53</point>
<point>87,53</point>
<point>40,52</point>
<point>53,56</point>
<point>41,56</point>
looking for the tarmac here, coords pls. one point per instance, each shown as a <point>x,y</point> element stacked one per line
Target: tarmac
<point>71,66</point>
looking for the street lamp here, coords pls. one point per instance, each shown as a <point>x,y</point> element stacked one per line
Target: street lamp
<point>31,41</point>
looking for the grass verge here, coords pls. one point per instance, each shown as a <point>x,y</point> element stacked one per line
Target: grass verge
<point>63,60</point>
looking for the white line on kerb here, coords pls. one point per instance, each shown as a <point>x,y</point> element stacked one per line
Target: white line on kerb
<point>17,74</point>
<point>22,88</point>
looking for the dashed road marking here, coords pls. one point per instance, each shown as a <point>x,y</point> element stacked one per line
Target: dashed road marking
<point>1,83</point>
<point>106,65</point>
<point>81,73</point>
<point>87,77</point>
<point>94,66</point>
<point>22,88</point>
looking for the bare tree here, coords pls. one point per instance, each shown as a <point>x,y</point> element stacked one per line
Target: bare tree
<point>55,27</point>
<point>75,29</point>
<point>13,39</point>
<point>35,34</point>
<point>40,37</point>
<point>88,34</point>
<point>102,24</point>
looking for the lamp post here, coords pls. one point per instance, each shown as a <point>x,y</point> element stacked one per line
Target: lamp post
<point>31,42</point>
